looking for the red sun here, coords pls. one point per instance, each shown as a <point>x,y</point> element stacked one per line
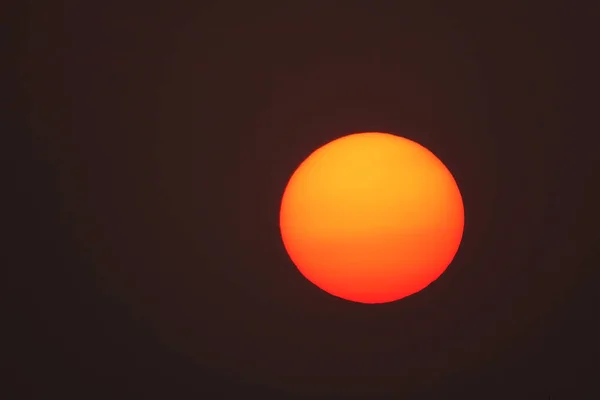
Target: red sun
<point>372,217</point>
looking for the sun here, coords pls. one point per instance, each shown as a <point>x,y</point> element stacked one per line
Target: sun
<point>372,217</point>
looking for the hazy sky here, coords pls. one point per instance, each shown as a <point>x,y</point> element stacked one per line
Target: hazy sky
<point>158,143</point>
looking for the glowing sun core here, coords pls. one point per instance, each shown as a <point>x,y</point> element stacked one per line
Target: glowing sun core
<point>372,217</point>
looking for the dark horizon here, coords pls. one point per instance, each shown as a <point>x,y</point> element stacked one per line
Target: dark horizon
<point>158,141</point>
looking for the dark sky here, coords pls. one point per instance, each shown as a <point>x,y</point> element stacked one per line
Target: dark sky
<point>158,142</point>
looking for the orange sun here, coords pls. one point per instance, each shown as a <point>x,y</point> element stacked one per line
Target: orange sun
<point>372,217</point>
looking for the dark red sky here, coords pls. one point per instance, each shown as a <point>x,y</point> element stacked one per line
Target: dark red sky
<point>158,142</point>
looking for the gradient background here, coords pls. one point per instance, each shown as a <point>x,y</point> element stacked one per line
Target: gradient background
<point>144,255</point>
